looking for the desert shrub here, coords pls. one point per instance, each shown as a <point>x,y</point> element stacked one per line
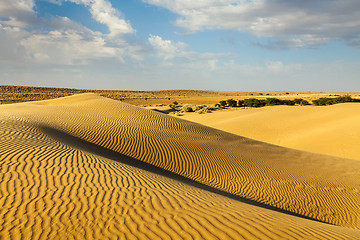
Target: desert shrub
<point>343,99</point>
<point>241,103</point>
<point>187,108</point>
<point>298,100</point>
<point>175,103</point>
<point>190,108</point>
<point>323,101</point>
<point>207,109</point>
<point>305,102</point>
<point>175,107</point>
<point>231,103</point>
<point>195,108</point>
<point>330,101</point>
<point>223,103</point>
<point>301,101</point>
<point>273,101</point>
<point>288,102</point>
<point>252,102</point>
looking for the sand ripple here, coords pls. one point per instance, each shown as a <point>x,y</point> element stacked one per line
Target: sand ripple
<point>53,186</point>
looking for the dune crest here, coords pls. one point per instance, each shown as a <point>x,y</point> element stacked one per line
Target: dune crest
<point>53,183</point>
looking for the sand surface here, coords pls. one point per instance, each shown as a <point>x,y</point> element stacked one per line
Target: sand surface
<point>79,168</point>
<point>332,130</point>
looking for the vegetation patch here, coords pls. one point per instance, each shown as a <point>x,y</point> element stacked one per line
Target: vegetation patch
<point>324,101</point>
<point>253,102</point>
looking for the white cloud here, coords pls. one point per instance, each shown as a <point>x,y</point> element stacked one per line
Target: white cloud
<point>103,12</point>
<point>169,51</point>
<point>21,14</point>
<point>68,48</point>
<point>299,23</point>
<point>63,47</point>
<point>62,41</point>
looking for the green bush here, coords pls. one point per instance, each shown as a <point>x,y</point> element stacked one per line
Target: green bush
<point>272,101</point>
<point>231,103</point>
<point>330,101</point>
<point>252,102</point>
<point>301,101</point>
<point>222,103</point>
<point>288,102</point>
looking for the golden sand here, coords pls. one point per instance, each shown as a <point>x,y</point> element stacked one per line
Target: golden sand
<point>332,130</point>
<point>71,168</point>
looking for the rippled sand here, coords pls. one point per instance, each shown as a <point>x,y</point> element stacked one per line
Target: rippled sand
<point>87,167</point>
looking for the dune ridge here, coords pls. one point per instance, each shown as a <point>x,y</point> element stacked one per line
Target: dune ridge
<point>45,180</point>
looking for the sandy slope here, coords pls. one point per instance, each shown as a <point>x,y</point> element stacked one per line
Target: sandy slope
<point>54,185</point>
<point>332,130</point>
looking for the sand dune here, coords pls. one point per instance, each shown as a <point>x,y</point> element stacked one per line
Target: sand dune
<point>332,130</point>
<point>78,167</point>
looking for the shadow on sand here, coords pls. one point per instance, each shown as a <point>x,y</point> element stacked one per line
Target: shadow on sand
<point>95,149</point>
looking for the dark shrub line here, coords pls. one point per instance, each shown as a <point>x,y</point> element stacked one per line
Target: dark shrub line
<point>330,101</point>
<point>253,102</point>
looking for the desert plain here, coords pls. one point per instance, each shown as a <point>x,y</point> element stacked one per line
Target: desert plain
<point>85,166</point>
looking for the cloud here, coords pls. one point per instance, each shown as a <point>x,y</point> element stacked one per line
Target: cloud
<point>63,47</point>
<point>10,51</point>
<point>298,23</point>
<point>68,48</point>
<point>169,51</point>
<point>18,13</point>
<point>26,38</point>
<point>21,13</point>
<point>103,12</point>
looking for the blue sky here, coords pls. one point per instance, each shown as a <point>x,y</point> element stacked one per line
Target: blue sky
<point>181,44</point>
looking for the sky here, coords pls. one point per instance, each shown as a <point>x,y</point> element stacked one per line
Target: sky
<point>242,45</point>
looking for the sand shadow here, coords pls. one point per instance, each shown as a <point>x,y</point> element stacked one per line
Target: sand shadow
<point>95,149</point>
<point>166,111</point>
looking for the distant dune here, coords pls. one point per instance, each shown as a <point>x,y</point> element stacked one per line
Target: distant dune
<point>332,130</point>
<point>88,167</point>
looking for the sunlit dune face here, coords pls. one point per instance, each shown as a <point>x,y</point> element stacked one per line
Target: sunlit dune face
<point>81,167</point>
